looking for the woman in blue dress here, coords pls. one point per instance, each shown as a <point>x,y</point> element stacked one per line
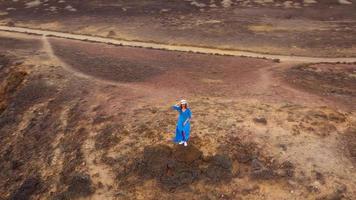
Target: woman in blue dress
<point>183,123</point>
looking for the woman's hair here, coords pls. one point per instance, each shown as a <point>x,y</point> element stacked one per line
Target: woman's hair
<point>181,106</point>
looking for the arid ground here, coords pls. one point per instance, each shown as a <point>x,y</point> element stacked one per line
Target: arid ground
<point>89,120</point>
<point>289,27</point>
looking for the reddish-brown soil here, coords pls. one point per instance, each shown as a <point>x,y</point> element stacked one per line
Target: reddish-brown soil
<point>92,121</point>
<point>328,80</point>
<point>182,73</point>
<point>11,43</point>
<point>323,28</point>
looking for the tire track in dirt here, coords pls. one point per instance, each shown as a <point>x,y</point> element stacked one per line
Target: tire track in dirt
<point>204,50</point>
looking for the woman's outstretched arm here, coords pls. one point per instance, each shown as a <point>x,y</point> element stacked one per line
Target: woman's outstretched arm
<point>176,107</point>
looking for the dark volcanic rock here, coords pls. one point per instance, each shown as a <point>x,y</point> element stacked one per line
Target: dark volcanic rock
<point>15,164</point>
<point>260,171</point>
<point>178,166</point>
<point>187,154</point>
<point>28,187</point>
<point>260,120</point>
<point>80,185</point>
<point>243,153</point>
<point>107,137</point>
<point>220,168</point>
<point>155,159</point>
<point>14,80</point>
<point>179,175</point>
<point>181,166</point>
<point>32,93</point>
<point>171,167</point>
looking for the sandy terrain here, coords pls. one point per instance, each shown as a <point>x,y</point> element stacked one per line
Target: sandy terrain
<point>182,48</point>
<point>84,120</point>
<point>86,91</point>
<point>287,27</point>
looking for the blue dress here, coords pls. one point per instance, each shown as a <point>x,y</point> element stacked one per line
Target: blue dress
<point>182,132</point>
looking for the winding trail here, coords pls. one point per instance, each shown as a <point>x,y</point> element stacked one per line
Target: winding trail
<point>47,47</point>
<point>134,87</point>
<point>168,47</point>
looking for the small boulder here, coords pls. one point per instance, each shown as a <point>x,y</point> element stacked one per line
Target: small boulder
<point>260,120</point>
<point>80,185</point>
<point>27,188</point>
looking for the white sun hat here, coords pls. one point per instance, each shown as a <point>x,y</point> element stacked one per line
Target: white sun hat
<point>183,101</point>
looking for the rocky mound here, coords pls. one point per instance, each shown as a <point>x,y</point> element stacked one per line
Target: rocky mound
<point>179,166</point>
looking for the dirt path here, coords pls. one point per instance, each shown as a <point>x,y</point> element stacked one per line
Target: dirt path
<point>204,50</point>
<point>267,86</point>
<point>48,49</point>
<point>274,86</point>
<point>100,173</point>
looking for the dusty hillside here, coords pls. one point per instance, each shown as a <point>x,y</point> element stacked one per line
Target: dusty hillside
<point>93,121</point>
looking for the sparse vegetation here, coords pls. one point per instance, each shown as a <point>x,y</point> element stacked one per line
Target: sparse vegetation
<point>88,120</point>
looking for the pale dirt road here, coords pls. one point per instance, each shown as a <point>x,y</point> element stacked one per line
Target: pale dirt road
<point>194,49</point>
